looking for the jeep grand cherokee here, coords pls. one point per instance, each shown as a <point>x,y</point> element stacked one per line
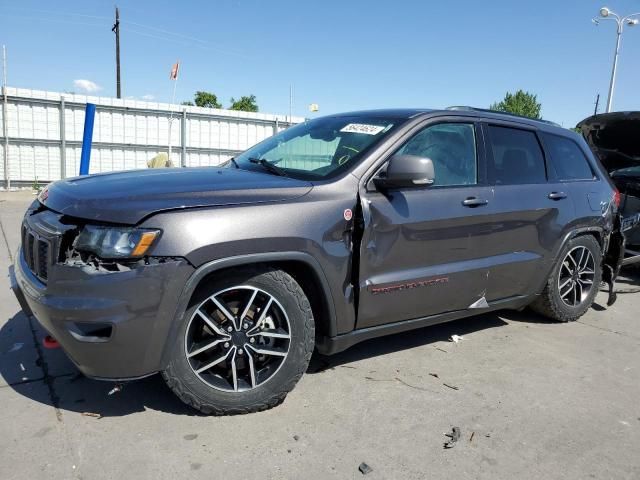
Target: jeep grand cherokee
<point>337,230</point>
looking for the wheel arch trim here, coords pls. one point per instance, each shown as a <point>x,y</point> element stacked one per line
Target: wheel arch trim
<point>249,259</point>
<point>601,238</point>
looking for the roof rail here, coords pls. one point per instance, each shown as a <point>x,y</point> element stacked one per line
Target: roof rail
<point>486,110</point>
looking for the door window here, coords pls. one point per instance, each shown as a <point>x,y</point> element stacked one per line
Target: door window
<point>452,149</point>
<point>517,157</point>
<point>568,161</point>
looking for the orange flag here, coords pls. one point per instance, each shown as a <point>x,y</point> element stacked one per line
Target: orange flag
<point>174,71</point>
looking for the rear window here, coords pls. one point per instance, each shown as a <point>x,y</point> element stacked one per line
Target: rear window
<point>567,159</point>
<point>517,157</point>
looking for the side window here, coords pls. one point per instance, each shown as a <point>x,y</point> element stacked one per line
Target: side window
<point>568,161</point>
<point>451,147</point>
<point>517,157</point>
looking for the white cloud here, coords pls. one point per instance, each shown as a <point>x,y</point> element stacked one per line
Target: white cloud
<point>148,97</point>
<point>86,85</point>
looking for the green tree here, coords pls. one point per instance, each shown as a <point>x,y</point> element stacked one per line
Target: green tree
<point>521,103</point>
<point>187,103</point>
<point>206,99</point>
<point>244,103</point>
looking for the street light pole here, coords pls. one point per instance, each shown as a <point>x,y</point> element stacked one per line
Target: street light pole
<point>607,14</point>
<point>612,82</point>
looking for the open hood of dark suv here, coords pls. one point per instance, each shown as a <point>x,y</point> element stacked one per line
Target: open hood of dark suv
<point>128,197</point>
<point>614,138</point>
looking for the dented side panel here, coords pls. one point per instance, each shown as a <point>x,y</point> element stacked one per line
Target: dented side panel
<point>422,253</point>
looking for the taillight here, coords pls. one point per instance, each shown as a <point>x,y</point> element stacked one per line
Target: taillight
<point>616,197</point>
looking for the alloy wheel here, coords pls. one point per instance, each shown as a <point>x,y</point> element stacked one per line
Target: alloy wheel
<point>575,279</point>
<point>237,339</point>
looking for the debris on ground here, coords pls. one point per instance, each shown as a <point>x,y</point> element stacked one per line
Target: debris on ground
<point>364,468</point>
<point>456,338</point>
<point>116,389</point>
<point>412,386</point>
<point>471,437</point>
<point>454,436</point>
<point>452,387</point>
<point>441,349</point>
<point>434,375</point>
<point>296,438</point>
<point>91,414</point>
<point>75,377</point>
<point>16,346</point>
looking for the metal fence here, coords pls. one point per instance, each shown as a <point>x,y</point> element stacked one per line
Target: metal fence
<point>44,134</point>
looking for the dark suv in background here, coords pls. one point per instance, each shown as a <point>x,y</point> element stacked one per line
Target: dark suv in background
<point>334,231</point>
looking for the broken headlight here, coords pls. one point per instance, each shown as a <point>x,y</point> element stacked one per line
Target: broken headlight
<point>115,242</point>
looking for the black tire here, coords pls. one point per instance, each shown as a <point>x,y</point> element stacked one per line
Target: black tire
<point>191,389</point>
<point>550,303</point>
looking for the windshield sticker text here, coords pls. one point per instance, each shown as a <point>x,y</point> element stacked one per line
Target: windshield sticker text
<point>362,128</point>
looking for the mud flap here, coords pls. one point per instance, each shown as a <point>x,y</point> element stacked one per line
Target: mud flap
<point>613,258</point>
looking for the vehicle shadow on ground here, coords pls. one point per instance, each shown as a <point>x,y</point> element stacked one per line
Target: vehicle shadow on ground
<point>405,340</point>
<point>59,383</point>
<point>63,387</point>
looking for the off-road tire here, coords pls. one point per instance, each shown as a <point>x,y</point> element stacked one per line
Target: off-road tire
<point>183,381</point>
<point>550,304</point>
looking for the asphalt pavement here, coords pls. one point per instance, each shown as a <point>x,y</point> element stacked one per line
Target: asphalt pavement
<point>530,399</point>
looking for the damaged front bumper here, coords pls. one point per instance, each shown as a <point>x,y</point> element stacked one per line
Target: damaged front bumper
<point>613,257</point>
<point>112,324</point>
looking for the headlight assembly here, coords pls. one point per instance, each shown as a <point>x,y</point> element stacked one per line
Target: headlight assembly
<point>115,242</point>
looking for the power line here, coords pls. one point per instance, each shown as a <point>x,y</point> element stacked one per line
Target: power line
<point>50,12</point>
<point>53,20</point>
<point>204,43</point>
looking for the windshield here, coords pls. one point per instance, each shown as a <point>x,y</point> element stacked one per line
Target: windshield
<point>316,149</point>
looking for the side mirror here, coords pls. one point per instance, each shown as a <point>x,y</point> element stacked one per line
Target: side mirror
<point>406,171</point>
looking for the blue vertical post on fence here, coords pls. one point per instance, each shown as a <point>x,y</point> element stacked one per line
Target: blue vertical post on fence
<point>85,156</point>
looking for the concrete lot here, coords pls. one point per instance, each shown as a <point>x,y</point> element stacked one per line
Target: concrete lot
<point>533,399</point>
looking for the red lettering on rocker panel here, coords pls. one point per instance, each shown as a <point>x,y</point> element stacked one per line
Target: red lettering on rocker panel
<point>409,285</point>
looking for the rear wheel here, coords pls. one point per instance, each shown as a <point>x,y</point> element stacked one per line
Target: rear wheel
<point>244,343</point>
<point>573,282</point>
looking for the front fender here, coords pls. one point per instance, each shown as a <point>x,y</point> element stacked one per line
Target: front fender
<point>220,264</point>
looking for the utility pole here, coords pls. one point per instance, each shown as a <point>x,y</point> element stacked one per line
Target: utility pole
<point>595,110</point>
<point>116,30</point>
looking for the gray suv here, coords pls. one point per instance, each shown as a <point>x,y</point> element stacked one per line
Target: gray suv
<point>334,231</point>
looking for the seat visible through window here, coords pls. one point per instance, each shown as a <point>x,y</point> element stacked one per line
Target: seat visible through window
<point>517,157</point>
<point>452,149</point>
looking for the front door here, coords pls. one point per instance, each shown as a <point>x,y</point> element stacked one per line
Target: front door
<point>423,249</point>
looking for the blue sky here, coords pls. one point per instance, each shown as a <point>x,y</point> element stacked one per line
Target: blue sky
<point>342,55</point>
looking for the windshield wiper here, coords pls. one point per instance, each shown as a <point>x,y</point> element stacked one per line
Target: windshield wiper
<point>231,161</point>
<point>270,167</point>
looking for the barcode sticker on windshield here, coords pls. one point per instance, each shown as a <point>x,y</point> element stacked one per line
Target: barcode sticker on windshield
<point>362,128</point>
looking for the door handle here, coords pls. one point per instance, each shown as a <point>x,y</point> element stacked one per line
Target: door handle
<point>557,195</point>
<point>474,202</point>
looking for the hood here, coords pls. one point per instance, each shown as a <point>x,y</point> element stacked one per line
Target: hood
<point>614,138</point>
<point>128,197</point>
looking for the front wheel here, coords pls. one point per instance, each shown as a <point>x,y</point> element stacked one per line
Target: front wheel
<point>573,282</point>
<point>245,341</point>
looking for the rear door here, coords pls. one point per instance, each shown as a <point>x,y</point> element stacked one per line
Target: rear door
<point>532,211</point>
<point>423,249</point>
<point>569,166</point>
